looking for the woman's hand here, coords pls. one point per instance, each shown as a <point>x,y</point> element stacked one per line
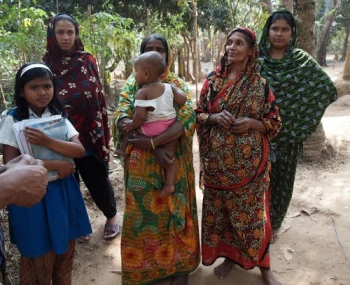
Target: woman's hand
<point>139,141</point>
<point>242,125</point>
<point>36,136</point>
<point>162,157</point>
<point>224,119</point>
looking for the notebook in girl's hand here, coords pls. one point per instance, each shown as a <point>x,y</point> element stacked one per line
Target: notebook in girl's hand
<point>54,127</point>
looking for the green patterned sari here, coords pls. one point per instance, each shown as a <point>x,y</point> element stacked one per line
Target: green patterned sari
<point>303,91</point>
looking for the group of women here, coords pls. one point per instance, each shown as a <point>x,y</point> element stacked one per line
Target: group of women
<point>246,106</point>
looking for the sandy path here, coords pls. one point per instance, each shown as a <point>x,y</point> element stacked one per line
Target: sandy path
<point>314,250</point>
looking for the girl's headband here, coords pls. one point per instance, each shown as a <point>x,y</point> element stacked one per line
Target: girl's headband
<point>34,65</point>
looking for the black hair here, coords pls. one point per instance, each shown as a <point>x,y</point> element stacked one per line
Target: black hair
<point>152,60</point>
<point>285,16</point>
<point>159,38</point>
<point>21,112</point>
<point>247,37</point>
<point>64,16</point>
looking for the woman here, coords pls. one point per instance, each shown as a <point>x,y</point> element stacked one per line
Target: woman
<point>303,92</point>
<point>79,88</point>
<point>236,119</point>
<point>160,235</point>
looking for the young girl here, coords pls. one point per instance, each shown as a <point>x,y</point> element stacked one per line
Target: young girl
<point>45,233</point>
<point>154,111</point>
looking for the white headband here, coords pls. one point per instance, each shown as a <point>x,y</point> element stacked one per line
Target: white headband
<point>35,65</point>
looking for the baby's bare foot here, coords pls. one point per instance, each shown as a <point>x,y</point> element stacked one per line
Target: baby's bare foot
<point>167,190</point>
<point>222,270</point>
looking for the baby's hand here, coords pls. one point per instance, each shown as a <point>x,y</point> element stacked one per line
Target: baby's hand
<point>36,136</point>
<point>127,126</point>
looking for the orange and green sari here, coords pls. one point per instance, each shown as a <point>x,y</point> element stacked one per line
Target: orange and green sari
<point>160,237</point>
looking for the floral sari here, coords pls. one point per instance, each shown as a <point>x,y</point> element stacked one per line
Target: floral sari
<point>160,236</point>
<point>235,167</point>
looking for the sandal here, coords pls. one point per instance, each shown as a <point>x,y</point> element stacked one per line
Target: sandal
<point>84,239</point>
<point>112,228</point>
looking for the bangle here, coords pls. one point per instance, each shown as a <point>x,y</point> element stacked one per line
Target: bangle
<point>152,143</point>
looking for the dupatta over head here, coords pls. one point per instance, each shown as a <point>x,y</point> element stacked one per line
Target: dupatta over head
<point>302,88</point>
<point>79,88</point>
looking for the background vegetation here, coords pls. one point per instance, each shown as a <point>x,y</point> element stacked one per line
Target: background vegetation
<point>112,31</point>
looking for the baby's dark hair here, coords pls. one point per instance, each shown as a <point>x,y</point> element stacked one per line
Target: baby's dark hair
<point>37,71</point>
<point>153,61</point>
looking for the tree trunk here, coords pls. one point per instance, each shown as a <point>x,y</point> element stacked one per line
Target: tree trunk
<point>304,11</point>
<point>322,52</point>
<point>315,146</point>
<point>346,73</point>
<point>172,66</point>
<point>181,63</point>
<point>345,45</point>
<point>267,6</point>
<point>288,4</point>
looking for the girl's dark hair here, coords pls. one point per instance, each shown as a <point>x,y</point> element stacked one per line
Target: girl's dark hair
<point>247,37</point>
<point>21,112</point>
<point>64,16</point>
<point>285,16</point>
<point>159,38</point>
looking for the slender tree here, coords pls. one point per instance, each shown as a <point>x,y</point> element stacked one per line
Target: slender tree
<point>304,11</point>
<point>346,72</point>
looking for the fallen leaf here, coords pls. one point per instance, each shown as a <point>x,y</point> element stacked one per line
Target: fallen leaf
<point>287,253</point>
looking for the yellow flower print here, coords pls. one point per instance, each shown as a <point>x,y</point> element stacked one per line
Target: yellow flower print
<point>171,270</point>
<point>164,254</point>
<point>136,276</point>
<point>132,257</point>
<point>154,274</point>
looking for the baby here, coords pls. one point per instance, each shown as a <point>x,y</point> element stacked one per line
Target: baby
<point>154,110</point>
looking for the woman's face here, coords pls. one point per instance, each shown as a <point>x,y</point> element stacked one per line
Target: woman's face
<point>65,34</point>
<point>280,34</point>
<point>156,45</point>
<point>38,93</point>
<point>237,48</point>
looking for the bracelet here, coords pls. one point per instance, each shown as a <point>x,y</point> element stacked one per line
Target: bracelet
<point>152,143</point>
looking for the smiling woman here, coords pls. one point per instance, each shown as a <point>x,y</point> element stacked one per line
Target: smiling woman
<point>236,119</point>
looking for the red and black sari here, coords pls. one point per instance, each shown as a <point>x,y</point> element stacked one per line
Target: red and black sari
<point>235,168</point>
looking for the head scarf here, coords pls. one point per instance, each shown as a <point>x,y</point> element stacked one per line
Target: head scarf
<point>79,88</point>
<point>302,89</point>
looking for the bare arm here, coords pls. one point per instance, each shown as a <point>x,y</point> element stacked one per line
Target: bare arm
<point>73,148</point>
<point>180,97</point>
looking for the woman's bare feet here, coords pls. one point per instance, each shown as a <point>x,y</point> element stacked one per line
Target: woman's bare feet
<point>274,236</point>
<point>221,271</point>
<point>180,280</point>
<point>167,190</point>
<point>268,277</point>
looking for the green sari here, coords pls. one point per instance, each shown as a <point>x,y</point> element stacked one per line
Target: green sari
<point>160,236</point>
<point>303,91</point>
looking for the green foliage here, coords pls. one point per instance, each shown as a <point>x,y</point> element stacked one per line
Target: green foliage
<point>22,39</point>
<point>109,38</point>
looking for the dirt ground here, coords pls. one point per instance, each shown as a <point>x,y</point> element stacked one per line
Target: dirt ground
<point>314,247</point>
